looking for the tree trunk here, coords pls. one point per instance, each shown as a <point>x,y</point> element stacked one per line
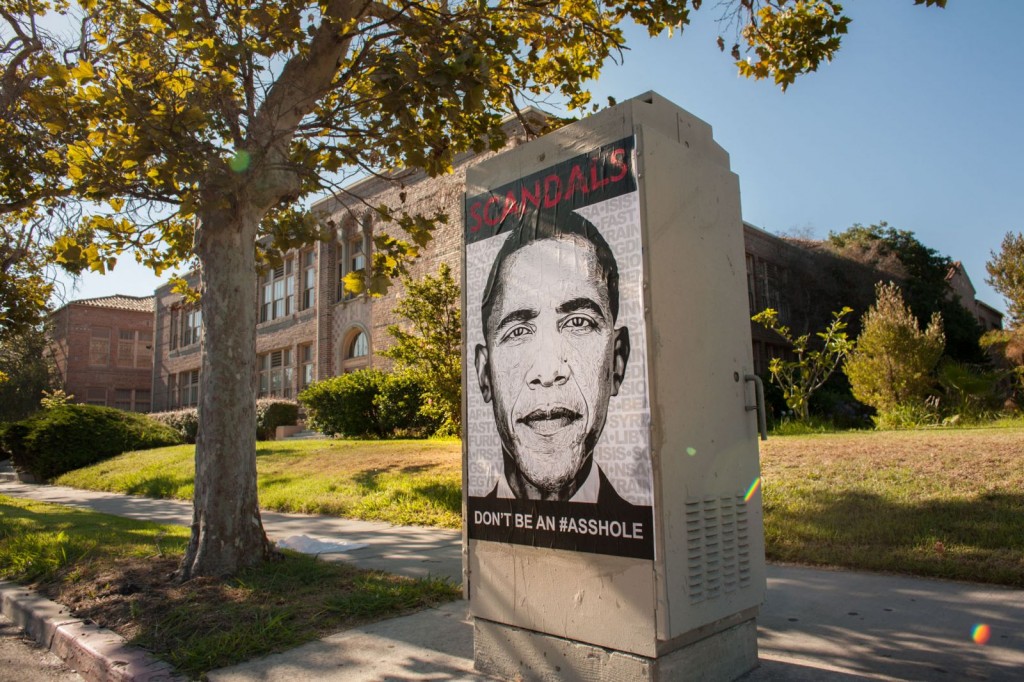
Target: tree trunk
<point>227,532</point>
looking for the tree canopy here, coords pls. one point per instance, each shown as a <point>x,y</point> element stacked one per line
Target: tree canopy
<point>1006,275</point>
<point>428,344</point>
<point>922,272</point>
<point>187,129</point>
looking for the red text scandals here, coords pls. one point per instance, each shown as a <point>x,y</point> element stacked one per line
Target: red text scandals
<point>562,184</point>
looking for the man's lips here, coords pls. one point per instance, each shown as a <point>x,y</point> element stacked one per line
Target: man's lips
<point>547,422</point>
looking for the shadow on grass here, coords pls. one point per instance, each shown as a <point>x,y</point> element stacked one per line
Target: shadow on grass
<point>370,478</point>
<point>160,487</point>
<point>445,496</point>
<point>979,539</point>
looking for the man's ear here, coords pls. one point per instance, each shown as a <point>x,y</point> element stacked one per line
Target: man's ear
<point>620,356</point>
<point>483,372</point>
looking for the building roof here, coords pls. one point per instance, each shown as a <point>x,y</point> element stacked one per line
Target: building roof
<point>142,304</point>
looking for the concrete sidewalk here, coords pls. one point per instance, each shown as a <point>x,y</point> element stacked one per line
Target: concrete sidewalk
<point>815,624</point>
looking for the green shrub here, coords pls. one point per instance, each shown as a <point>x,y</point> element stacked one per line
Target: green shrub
<point>368,404</point>
<point>68,437</point>
<point>16,431</point>
<point>184,421</point>
<point>400,407</point>
<point>891,367</point>
<point>274,412</point>
<point>344,405</point>
<point>970,394</point>
<point>912,415</point>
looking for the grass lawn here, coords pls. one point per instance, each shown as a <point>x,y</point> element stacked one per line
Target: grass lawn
<point>117,573</point>
<point>411,482</point>
<point>942,503</point>
<point>945,502</point>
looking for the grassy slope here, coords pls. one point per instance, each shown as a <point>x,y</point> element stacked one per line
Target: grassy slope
<point>937,503</point>
<point>945,503</point>
<point>402,482</point>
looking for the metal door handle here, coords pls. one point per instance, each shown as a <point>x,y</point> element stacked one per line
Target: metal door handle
<point>762,421</point>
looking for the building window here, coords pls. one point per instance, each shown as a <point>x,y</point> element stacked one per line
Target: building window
<point>99,347</point>
<point>191,324</point>
<point>770,282</point>
<point>173,328</point>
<point>276,374</point>
<point>306,367</point>
<point>144,351</point>
<point>357,352</point>
<point>278,292</point>
<point>188,388</point>
<point>353,260</point>
<point>360,347</point>
<point>134,348</point>
<point>96,395</point>
<point>751,293</point>
<point>131,400</point>
<point>308,279</point>
<point>123,399</point>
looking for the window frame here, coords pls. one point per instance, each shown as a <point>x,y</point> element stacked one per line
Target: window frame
<point>275,372</point>
<point>277,292</point>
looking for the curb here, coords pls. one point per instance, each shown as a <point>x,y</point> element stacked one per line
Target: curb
<point>97,654</point>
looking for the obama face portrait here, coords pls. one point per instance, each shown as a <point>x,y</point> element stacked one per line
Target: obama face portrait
<point>553,356</point>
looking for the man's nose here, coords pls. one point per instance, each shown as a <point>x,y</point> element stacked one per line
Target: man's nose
<point>549,369</point>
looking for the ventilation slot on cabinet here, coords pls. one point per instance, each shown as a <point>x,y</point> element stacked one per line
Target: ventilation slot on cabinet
<point>717,547</point>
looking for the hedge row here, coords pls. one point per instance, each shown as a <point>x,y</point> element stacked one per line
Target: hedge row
<point>58,440</point>
<point>270,413</point>
<point>368,403</point>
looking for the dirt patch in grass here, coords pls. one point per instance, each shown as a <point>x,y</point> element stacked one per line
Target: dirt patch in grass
<point>110,594</point>
<point>208,623</point>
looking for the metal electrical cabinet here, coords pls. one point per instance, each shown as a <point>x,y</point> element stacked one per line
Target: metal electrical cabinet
<point>665,582</point>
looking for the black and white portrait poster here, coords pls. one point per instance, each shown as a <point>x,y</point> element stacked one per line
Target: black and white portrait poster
<point>557,429</point>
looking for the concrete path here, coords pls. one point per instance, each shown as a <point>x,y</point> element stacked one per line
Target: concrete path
<point>815,624</point>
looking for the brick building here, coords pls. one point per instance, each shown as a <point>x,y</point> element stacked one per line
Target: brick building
<point>103,350</point>
<point>988,317</point>
<point>310,329</point>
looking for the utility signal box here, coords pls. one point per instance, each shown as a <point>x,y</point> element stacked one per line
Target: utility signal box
<point>613,526</point>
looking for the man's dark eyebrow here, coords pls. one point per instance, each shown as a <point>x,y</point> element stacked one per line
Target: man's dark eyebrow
<point>521,315</point>
<point>581,303</point>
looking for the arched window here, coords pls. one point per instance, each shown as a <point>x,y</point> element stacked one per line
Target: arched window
<point>359,348</point>
<point>355,351</point>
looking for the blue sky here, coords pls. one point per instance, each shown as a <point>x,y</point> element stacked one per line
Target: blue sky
<point>917,122</point>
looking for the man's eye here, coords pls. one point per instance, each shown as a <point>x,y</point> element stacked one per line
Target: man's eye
<point>579,323</point>
<point>517,332</point>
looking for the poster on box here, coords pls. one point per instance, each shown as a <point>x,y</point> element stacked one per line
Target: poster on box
<point>558,415</point>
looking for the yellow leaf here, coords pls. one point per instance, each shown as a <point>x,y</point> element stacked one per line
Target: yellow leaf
<point>116,204</point>
<point>83,72</point>
<point>151,20</point>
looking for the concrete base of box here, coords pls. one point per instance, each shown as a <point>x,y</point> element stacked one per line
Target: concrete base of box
<point>523,655</point>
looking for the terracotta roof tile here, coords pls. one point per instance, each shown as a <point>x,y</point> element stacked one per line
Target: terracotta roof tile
<point>121,302</point>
